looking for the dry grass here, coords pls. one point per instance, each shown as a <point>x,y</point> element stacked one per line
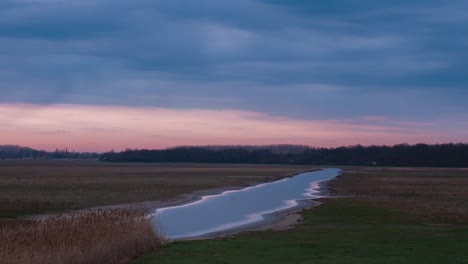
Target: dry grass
<point>116,236</point>
<point>432,195</point>
<point>59,186</point>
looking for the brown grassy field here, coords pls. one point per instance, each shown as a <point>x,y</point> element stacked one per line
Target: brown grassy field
<point>36,187</point>
<point>430,194</point>
<point>93,237</point>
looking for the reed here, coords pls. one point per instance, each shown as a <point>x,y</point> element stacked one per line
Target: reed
<point>98,236</point>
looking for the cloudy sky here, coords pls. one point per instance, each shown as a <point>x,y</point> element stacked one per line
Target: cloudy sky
<point>114,74</point>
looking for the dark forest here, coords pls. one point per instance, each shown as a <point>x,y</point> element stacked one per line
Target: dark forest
<point>419,155</point>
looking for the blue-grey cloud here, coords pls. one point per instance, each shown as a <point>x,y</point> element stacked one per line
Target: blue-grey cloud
<point>320,59</point>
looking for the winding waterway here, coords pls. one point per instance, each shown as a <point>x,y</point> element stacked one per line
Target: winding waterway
<point>234,210</point>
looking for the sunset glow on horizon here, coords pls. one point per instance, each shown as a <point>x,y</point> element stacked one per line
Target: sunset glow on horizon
<point>104,128</point>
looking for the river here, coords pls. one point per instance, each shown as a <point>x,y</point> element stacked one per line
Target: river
<point>240,209</point>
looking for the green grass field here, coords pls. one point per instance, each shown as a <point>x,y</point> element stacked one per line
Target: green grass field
<point>394,216</point>
<point>36,187</point>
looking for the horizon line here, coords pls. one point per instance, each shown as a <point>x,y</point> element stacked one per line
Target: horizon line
<point>233,147</point>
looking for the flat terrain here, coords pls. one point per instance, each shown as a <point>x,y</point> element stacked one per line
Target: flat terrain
<point>36,187</point>
<point>431,195</point>
<point>388,215</point>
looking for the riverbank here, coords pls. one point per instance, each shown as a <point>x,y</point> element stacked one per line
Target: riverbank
<point>285,220</point>
<point>197,195</point>
<point>390,215</point>
<point>194,196</point>
<point>65,186</point>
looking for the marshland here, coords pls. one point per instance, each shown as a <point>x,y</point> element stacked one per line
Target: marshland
<point>375,214</point>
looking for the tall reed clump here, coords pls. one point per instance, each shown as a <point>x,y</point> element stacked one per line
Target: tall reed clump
<point>116,236</point>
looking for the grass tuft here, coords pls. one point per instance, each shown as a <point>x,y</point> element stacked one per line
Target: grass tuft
<point>100,236</point>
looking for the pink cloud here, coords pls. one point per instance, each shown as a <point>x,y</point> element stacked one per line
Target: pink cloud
<point>101,128</point>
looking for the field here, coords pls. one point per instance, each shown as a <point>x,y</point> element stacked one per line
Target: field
<point>380,215</point>
<point>384,215</point>
<point>37,187</point>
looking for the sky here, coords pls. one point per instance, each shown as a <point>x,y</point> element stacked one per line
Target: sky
<point>95,75</point>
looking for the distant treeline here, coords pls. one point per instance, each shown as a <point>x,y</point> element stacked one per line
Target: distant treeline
<point>276,149</point>
<point>18,152</point>
<point>419,155</point>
